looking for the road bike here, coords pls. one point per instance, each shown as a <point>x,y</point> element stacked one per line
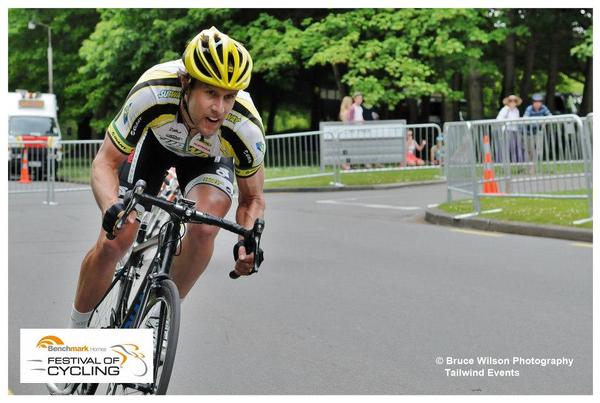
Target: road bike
<point>142,295</point>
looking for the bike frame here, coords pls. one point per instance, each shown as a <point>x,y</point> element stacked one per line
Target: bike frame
<point>162,260</point>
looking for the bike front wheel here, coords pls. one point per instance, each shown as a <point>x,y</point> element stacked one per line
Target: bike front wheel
<point>161,313</point>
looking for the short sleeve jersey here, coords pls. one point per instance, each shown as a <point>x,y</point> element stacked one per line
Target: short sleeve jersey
<point>152,109</point>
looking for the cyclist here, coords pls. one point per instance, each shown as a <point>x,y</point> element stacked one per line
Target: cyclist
<point>193,114</point>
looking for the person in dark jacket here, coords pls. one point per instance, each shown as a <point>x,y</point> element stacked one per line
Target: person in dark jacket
<point>537,108</point>
<point>534,137</point>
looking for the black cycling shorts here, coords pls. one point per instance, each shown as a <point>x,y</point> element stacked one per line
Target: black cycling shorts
<point>150,162</point>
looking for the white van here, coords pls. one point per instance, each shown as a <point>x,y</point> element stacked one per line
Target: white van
<point>32,126</point>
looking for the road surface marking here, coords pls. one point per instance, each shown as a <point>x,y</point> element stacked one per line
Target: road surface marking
<point>474,232</point>
<point>583,244</point>
<point>432,205</point>
<point>379,206</point>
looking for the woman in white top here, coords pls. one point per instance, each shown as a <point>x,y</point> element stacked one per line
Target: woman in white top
<point>411,150</point>
<point>511,111</point>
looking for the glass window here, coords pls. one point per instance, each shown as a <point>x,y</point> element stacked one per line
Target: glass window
<point>32,126</point>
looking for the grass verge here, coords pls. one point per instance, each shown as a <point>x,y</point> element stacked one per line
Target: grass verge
<point>528,210</point>
<point>348,179</point>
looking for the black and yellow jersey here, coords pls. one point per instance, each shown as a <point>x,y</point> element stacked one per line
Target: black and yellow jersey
<point>152,109</point>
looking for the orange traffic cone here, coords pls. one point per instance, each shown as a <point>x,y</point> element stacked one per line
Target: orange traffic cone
<point>489,185</point>
<point>24,168</point>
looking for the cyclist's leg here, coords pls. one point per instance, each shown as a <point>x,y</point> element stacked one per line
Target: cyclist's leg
<point>149,163</point>
<point>98,268</point>
<point>212,190</point>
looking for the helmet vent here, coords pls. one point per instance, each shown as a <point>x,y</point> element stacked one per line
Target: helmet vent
<point>231,64</point>
<point>201,65</point>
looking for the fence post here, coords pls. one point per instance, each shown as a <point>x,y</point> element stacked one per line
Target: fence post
<point>337,181</point>
<point>50,198</point>
<point>474,180</point>
<point>446,152</point>
<point>504,140</point>
<point>587,161</point>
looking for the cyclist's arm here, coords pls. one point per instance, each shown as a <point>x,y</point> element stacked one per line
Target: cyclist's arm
<point>251,200</point>
<point>105,177</point>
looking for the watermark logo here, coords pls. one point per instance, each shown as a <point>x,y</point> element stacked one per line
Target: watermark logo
<point>49,341</point>
<point>86,355</point>
<point>137,357</point>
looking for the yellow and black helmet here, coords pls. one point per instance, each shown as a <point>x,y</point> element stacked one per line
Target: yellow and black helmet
<point>214,58</point>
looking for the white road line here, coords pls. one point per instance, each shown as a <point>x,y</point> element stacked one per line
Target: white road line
<point>583,244</point>
<point>432,205</point>
<point>478,233</point>
<point>378,206</point>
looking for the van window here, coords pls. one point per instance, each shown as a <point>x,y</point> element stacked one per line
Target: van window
<point>33,126</point>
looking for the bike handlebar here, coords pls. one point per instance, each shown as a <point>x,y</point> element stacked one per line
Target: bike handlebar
<point>183,210</point>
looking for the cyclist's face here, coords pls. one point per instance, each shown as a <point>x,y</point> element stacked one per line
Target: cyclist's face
<point>208,106</point>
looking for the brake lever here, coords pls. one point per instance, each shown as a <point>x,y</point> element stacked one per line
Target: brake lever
<point>257,230</point>
<point>130,200</point>
<point>252,242</point>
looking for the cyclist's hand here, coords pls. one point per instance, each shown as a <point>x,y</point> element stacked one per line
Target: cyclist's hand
<point>112,216</point>
<point>244,263</point>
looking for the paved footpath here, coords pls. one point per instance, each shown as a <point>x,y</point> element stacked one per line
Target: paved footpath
<point>357,295</point>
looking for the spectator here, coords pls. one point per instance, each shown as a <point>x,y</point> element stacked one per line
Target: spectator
<point>537,108</point>
<point>437,152</point>
<point>356,113</point>
<point>345,116</point>
<point>411,150</point>
<point>345,108</point>
<point>509,112</point>
<point>369,113</point>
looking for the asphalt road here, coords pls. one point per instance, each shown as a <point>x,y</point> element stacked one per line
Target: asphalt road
<point>357,295</point>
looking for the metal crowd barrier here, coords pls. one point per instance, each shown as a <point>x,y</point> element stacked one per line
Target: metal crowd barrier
<point>74,171</point>
<point>32,167</point>
<point>430,132</point>
<point>459,159</point>
<point>588,122</point>
<point>293,150</point>
<point>543,157</point>
<point>340,148</point>
<point>378,145</point>
<point>64,167</point>
<point>362,142</point>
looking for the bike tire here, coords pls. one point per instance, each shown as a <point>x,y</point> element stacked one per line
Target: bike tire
<point>169,293</point>
<point>164,352</point>
<point>105,315</point>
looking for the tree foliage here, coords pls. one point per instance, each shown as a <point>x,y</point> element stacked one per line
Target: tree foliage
<point>391,55</point>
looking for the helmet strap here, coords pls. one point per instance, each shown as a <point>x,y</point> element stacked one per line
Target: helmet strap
<point>185,109</point>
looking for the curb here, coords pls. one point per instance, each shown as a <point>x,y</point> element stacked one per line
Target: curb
<point>349,188</point>
<point>439,217</point>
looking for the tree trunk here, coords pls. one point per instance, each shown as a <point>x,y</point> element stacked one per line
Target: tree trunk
<point>508,82</point>
<point>447,111</point>
<point>413,110</point>
<point>450,108</point>
<point>272,111</point>
<point>587,102</point>
<point>474,95</point>
<point>553,63</point>
<point>315,108</point>
<point>528,66</point>
<point>338,80</point>
<point>425,109</point>
<point>84,130</point>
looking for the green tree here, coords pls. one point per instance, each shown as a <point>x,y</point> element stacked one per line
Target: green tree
<point>27,50</point>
